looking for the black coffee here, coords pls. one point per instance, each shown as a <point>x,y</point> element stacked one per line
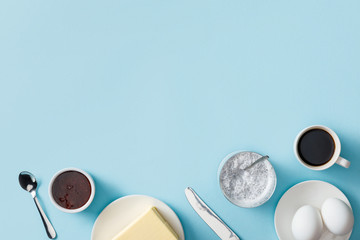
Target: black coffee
<point>316,147</point>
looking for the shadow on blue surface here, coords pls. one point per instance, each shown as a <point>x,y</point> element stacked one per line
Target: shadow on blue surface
<point>105,193</point>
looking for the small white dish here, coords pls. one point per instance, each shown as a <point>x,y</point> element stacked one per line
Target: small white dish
<point>312,193</point>
<point>123,211</point>
<point>87,204</point>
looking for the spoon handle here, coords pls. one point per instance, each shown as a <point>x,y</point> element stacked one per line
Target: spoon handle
<point>256,161</point>
<point>47,224</point>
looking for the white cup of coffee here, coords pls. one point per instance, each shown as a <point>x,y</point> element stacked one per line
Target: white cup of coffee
<point>318,148</point>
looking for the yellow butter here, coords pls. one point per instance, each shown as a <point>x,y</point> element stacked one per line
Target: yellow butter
<point>149,226</point>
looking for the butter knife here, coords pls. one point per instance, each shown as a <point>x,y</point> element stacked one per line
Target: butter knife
<point>209,217</point>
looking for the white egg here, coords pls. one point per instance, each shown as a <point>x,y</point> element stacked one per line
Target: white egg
<point>337,216</point>
<point>307,223</point>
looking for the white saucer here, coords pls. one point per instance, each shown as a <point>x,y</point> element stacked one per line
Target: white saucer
<point>121,212</point>
<point>309,192</point>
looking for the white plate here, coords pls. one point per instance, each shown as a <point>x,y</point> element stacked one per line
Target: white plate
<point>121,212</point>
<point>309,192</point>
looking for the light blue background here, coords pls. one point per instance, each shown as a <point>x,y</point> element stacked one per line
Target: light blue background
<point>149,96</point>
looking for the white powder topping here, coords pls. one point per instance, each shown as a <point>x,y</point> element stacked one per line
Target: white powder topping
<point>251,187</point>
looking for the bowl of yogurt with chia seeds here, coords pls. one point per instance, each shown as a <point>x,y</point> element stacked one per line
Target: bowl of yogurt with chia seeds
<point>246,186</point>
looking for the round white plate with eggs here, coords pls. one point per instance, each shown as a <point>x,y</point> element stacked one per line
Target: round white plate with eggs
<point>312,193</point>
<point>123,211</point>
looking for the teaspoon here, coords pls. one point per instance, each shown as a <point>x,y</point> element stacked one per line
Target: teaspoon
<point>28,182</point>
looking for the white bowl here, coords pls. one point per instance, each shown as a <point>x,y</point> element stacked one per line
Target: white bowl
<point>92,194</point>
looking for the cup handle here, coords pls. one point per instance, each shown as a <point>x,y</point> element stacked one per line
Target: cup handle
<point>343,162</point>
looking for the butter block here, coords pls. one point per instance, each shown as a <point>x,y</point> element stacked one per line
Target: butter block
<point>149,226</point>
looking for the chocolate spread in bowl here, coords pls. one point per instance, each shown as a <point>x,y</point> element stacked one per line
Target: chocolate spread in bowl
<point>71,189</point>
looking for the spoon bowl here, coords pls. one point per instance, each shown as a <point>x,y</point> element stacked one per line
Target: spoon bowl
<point>27,181</point>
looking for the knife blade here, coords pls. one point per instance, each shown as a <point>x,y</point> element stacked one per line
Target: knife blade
<point>209,217</point>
